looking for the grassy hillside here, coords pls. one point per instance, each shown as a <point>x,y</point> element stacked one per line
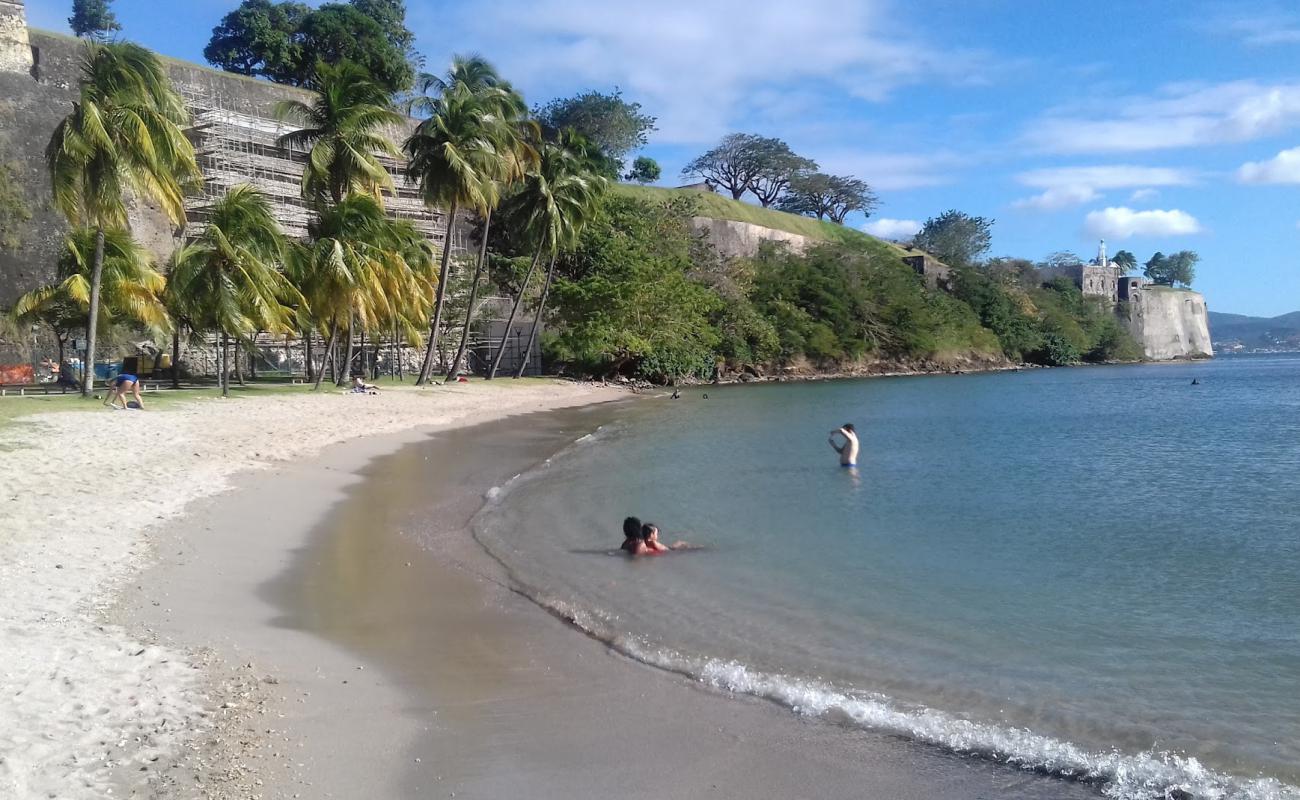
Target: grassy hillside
<point>717,206</point>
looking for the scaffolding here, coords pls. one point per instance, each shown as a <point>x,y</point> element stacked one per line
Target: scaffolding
<point>234,148</point>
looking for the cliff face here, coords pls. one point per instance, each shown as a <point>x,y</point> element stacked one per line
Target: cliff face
<point>742,239</point>
<point>1169,323</point>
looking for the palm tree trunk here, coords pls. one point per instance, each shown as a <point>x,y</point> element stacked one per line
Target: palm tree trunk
<point>176,357</point>
<point>537,318</point>
<point>225,365</point>
<point>427,367</point>
<point>514,311</point>
<point>346,373</point>
<point>92,321</point>
<point>329,353</point>
<point>473,297</point>
<point>239,362</point>
<point>308,354</point>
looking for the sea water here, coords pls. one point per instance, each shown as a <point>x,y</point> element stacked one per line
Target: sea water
<point>1091,572</point>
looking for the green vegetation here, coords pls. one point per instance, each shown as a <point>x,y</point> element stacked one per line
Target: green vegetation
<point>615,126</point>
<point>1170,270</point>
<point>93,19</point>
<point>955,238</point>
<point>716,206</point>
<point>644,170</point>
<point>285,41</point>
<point>14,211</point>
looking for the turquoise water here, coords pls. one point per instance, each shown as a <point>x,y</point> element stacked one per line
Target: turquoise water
<point>1092,572</point>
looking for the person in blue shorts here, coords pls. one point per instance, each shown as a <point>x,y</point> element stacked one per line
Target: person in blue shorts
<point>119,386</point>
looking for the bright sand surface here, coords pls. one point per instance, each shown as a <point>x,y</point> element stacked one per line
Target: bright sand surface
<point>368,647</point>
<point>88,705</point>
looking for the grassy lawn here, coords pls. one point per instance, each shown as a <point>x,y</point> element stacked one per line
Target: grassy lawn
<point>718,206</point>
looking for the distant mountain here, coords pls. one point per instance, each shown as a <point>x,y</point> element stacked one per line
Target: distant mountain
<point>1255,333</point>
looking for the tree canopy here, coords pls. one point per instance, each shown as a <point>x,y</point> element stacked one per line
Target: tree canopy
<point>831,197</point>
<point>612,124</point>
<point>93,19</point>
<point>1177,268</point>
<point>955,238</point>
<point>644,170</point>
<point>747,162</point>
<point>283,41</point>
<point>1126,261</point>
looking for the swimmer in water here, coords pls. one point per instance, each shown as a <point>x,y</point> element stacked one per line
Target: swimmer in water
<point>651,546</point>
<point>849,450</point>
<point>631,535</point>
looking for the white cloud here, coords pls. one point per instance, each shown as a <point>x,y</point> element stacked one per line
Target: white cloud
<point>1143,194</point>
<point>695,65</point>
<point>898,229</point>
<point>1071,186</point>
<point>1282,168</point>
<point>1058,198</point>
<point>1260,28</point>
<point>1179,115</point>
<point>888,172</point>
<point>1124,223</point>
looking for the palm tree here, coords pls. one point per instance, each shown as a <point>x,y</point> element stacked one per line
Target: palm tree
<point>364,268</point>
<point>555,203</point>
<point>124,133</point>
<point>228,279</point>
<point>344,132</point>
<point>130,288</point>
<point>456,156</point>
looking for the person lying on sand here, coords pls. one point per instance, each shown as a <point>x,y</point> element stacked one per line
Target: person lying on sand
<point>119,386</point>
<point>631,534</point>
<point>361,387</point>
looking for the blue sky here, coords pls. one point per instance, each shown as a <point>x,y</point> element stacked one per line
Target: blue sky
<point>1158,125</point>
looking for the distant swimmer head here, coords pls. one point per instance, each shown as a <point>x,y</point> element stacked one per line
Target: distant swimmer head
<point>649,532</point>
<point>632,528</point>
<point>848,426</point>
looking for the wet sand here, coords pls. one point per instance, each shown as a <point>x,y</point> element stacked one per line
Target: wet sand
<point>374,650</point>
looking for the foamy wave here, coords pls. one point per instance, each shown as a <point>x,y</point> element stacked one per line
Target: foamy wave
<point>1150,775</point>
<point>1146,776</point>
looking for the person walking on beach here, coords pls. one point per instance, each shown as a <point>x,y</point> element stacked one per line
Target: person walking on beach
<point>849,450</point>
<point>119,386</point>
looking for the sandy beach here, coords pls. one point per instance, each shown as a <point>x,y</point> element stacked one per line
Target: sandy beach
<point>88,705</point>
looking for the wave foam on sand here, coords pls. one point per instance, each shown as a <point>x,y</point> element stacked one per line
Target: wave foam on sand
<point>86,705</point>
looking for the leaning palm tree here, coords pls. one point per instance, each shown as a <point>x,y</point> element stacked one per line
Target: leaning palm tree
<point>455,156</point>
<point>554,204</point>
<point>228,279</point>
<point>362,268</point>
<point>124,134</point>
<point>130,288</point>
<point>344,132</point>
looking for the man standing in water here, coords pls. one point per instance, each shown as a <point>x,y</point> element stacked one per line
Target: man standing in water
<point>849,450</point>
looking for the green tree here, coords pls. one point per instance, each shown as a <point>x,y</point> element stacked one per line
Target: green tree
<point>456,156</point>
<point>1177,268</point>
<point>93,19</point>
<point>1000,311</point>
<point>733,164</point>
<point>644,170</point>
<point>130,287</point>
<point>516,134</point>
<point>283,41</point>
<point>344,131</point>
<point>124,133</point>
<point>778,166</point>
<point>614,125</point>
<point>229,279</point>
<point>955,238</point>
<point>1126,261</point>
<point>625,300</point>
<point>556,200</point>
<point>828,196</point>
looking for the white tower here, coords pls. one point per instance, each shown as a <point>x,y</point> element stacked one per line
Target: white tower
<point>15,50</point>
<point>1101,253</point>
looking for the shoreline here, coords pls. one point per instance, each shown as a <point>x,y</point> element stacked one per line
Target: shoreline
<point>89,706</point>
<point>467,686</point>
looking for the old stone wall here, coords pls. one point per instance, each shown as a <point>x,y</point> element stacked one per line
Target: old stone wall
<point>742,239</point>
<point>1169,323</point>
